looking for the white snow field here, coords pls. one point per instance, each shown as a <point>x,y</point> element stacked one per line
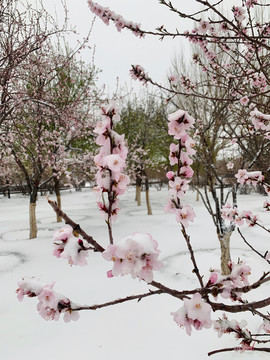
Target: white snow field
<point>132,330</point>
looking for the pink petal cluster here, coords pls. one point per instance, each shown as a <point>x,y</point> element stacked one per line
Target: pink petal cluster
<point>225,326</point>
<point>237,278</point>
<point>230,165</point>
<point>51,304</point>
<point>244,100</point>
<point>179,123</point>
<point>105,14</point>
<point>250,3</point>
<point>204,27</point>
<point>260,120</point>
<point>195,313</point>
<point>185,215</point>
<point>110,162</point>
<point>136,255</point>
<point>137,72</point>
<point>239,13</point>
<point>232,214</point>
<point>251,177</point>
<point>67,246</point>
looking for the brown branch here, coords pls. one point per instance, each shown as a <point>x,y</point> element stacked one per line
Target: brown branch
<point>252,248</point>
<point>76,227</point>
<point>118,301</point>
<point>237,349</point>
<point>240,308</point>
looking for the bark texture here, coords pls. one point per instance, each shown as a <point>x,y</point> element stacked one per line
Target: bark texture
<point>33,220</point>
<point>225,256</point>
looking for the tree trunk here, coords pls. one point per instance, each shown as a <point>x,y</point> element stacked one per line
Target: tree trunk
<point>32,213</point>
<point>149,209</point>
<point>197,196</point>
<point>138,190</point>
<point>58,197</point>
<point>33,220</point>
<point>225,256</point>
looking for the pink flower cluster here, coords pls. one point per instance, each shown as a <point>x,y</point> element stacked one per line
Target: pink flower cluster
<point>137,72</point>
<point>249,177</point>
<point>70,247</point>
<point>253,178</point>
<point>237,278</point>
<point>195,313</point>
<point>105,14</point>
<point>260,120</point>
<point>179,122</point>
<point>230,165</point>
<point>250,3</point>
<point>110,162</point>
<point>51,303</point>
<point>136,255</point>
<point>239,13</point>
<point>183,80</point>
<point>232,214</point>
<point>225,326</point>
<point>244,100</point>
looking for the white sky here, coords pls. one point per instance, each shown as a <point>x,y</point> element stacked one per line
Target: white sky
<point>115,52</point>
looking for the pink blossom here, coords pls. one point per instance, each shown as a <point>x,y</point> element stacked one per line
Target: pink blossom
<point>213,278</point>
<point>230,165</point>
<point>239,13</point>
<point>103,179</point>
<point>29,286</point>
<point>260,120</point>
<point>195,312</point>
<point>170,207</point>
<point>138,73</point>
<point>242,176</point>
<point>184,215</point>
<point>204,27</point>
<point>189,144</point>
<point>70,248</point>
<point>173,79</point>
<point>250,3</point>
<point>239,274</point>
<point>102,126</point>
<point>63,234</point>
<point>120,184</point>
<point>223,326</point>
<point>186,171</point>
<point>174,153</point>
<point>136,255</point>
<point>179,121</point>
<point>170,175</point>
<point>185,159</point>
<point>114,162</point>
<point>244,100</point>
<point>71,315</point>
<point>178,187</point>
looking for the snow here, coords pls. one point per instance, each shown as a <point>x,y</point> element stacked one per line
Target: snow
<point>143,330</point>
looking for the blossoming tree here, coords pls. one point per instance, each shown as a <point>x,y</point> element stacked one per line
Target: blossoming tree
<point>137,254</point>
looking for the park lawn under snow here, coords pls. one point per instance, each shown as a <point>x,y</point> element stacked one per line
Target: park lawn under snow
<point>133,330</point>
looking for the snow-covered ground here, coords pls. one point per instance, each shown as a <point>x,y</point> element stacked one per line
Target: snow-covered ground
<point>132,330</point>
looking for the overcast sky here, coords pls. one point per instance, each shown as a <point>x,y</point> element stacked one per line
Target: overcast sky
<point>115,52</point>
